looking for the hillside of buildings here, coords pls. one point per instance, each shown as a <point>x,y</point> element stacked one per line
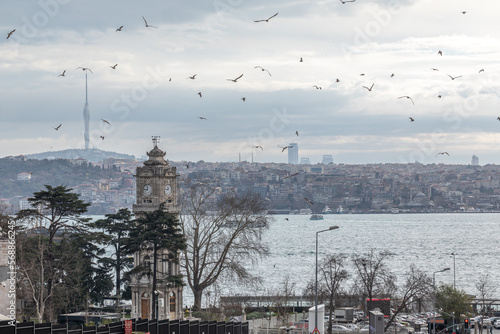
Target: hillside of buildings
<point>371,188</point>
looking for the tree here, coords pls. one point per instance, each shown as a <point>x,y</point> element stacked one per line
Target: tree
<point>332,275</point>
<point>223,233</point>
<point>59,208</point>
<point>282,299</point>
<point>57,214</point>
<point>63,263</point>
<point>117,227</point>
<point>452,301</point>
<point>416,286</point>
<point>373,275</point>
<point>158,233</point>
<point>485,288</point>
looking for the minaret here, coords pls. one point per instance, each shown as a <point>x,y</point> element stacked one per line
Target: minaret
<point>86,116</point>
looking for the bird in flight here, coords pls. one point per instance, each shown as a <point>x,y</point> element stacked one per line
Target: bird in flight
<point>258,146</point>
<point>192,77</point>
<point>283,148</point>
<point>199,93</point>
<point>266,20</point>
<point>62,74</point>
<point>440,52</point>
<point>439,96</point>
<point>286,219</point>
<point>369,89</point>
<point>337,80</point>
<point>202,118</point>
<point>407,98</point>
<point>57,127</point>
<point>308,201</point>
<point>442,153</point>
<point>114,66</point>
<point>187,166</point>
<point>146,23</point>
<point>85,69</point>
<point>10,33</point>
<point>464,12</point>
<point>243,99</point>
<point>119,29</point>
<point>235,80</point>
<point>392,75</point>
<point>263,69</point>
<point>102,137</point>
<point>453,78</point>
<point>102,119</point>
<point>297,133</point>
<point>411,119</point>
<point>301,61</point>
<point>291,175</point>
<point>481,70</point>
<point>344,1</point>
<point>317,87</point>
<point>434,69</point>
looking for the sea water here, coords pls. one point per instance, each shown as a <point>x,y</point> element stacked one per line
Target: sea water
<point>424,240</point>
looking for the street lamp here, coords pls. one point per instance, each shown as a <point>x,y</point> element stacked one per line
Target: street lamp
<point>316,303</point>
<point>454,285</point>
<point>434,297</point>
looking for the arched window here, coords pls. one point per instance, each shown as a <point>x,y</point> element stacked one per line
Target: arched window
<point>172,302</point>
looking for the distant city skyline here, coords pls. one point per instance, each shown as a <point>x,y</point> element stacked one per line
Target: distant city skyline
<point>380,81</point>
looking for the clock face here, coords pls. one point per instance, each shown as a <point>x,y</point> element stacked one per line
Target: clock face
<point>147,189</point>
<point>168,189</point>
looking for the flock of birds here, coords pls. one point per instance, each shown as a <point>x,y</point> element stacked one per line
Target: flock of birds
<point>369,88</point>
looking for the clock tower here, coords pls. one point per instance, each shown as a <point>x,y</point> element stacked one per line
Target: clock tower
<point>156,183</point>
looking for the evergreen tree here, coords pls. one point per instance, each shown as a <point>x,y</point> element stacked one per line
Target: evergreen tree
<point>117,227</point>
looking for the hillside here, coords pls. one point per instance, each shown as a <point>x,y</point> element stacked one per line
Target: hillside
<point>52,172</point>
<point>91,155</point>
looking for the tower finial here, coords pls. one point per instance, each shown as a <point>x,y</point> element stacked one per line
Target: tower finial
<point>156,140</point>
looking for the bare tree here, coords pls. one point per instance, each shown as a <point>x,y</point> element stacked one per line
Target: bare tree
<point>223,233</point>
<point>373,275</point>
<point>332,275</point>
<point>416,286</point>
<point>485,288</point>
<point>282,298</point>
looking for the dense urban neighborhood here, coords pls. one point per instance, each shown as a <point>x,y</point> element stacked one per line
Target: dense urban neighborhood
<point>288,188</point>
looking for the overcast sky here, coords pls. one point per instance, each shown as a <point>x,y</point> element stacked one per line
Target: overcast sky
<point>149,92</point>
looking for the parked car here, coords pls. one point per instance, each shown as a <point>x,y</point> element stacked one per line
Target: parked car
<point>352,327</point>
<point>341,329</point>
<point>365,329</point>
<point>497,324</point>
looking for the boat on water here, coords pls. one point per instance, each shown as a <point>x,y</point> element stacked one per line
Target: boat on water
<point>316,217</point>
<point>340,209</point>
<point>326,210</point>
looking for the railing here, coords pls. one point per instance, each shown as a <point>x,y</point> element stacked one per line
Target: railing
<point>138,326</point>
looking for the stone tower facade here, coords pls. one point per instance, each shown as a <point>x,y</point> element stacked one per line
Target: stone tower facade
<point>156,183</point>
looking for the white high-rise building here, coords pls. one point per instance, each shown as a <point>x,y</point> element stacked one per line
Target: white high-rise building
<point>474,161</point>
<point>293,153</point>
<point>327,159</point>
